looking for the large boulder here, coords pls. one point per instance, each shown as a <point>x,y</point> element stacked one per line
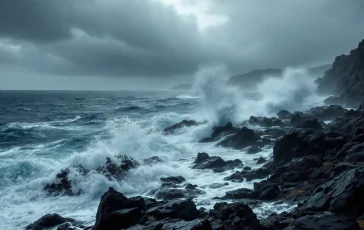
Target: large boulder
<point>180,125</point>
<point>177,193</point>
<point>341,195</point>
<point>327,113</point>
<point>305,122</point>
<point>324,221</point>
<point>299,143</point>
<point>49,221</point>
<point>177,209</point>
<point>243,138</point>
<point>114,169</point>
<point>236,215</point>
<point>265,121</point>
<point>220,132</point>
<point>116,211</point>
<point>216,163</point>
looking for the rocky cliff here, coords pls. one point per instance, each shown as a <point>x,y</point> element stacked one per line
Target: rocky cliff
<point>345,80</point>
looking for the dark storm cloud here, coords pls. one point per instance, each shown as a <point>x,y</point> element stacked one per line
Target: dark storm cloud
<point>286,32</point>
<point>38,20</point>
<point>147,38</point>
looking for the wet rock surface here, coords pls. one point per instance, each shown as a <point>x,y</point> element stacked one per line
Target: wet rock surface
<point>180,125</point>
<point>114,169</point>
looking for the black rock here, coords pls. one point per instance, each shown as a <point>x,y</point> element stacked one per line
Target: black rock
<point>177,193</point>
<point>324,221</point>
<point>218,185</point>
<point>153,160</point>
<point>305,122</point>
<point>252,149</point>
<point>181,209</point>
<point>284,115</point>
<point>328,113</point>
<point>220,132</point>
<point>49,221</point>
<point>173,179</point>
<point>243,138</point>
<point>175,127</point>
<point>209,163</point>
<point>265,121</point>
<point>341,195</point>
<point>115,169</point>
<point>115,211</point>
<point>236,215</point>
<point>345,79</point>
<point>241,194</point>
<point>261,160</point>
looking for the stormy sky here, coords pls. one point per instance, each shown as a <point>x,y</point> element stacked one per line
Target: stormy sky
<point>127,44</point>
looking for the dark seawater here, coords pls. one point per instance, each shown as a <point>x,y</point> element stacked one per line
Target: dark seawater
<point>43,132</point>
<point>40,132</point>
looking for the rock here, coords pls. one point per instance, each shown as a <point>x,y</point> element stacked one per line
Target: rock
<point>177,193</point>
<point>218,185</point>
<point>216,163</point>
<point>169,223</point>
<point>115,211</point>
<point>233,216</point>
<point>173,179</point>
<point>115,169</point>
<point>305,122</point>
<point>265,121</point>
<point>300,143</point>
<point>284,115</point>
<point>275,133</point>
<point>324,221</point>
<point>334,100</point>
<point>327,113</point>
<point>204,161</point>
<point>261,160</point>
<point>181,209</point>
<point>220,132</point>
<point>259,173</point>
<point>252,150</point>
<point>49,221</point>
<point>153,160</point>
<point>191,186</point>
<point>361,107</point>
<point>62,185</point>
<point>243,138</point>
<point>341,195</point>
<point>346,77</point>
<point>266,191</point>
<point>175,127</point>
<point>241,194</point>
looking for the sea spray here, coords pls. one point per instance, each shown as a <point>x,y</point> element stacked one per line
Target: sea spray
<point>221,102</point>
<point>294,90</point>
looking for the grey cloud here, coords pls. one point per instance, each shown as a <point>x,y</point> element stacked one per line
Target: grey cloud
<point>38,20</point>
<point>126,38</point>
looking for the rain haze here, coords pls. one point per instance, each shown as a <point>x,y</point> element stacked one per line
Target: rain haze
<point>121,44</point>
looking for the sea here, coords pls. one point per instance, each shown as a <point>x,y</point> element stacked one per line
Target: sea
<point>43,132</point>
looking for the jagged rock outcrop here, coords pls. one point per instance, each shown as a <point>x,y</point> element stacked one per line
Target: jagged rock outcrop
<point>345,79</point>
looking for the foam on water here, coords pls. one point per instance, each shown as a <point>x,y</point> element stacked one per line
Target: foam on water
<point>140,136</point>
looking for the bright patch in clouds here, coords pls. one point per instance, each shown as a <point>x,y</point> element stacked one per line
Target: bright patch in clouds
<point>199,9</point>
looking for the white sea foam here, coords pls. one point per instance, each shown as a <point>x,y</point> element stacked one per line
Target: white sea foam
<point>23,201</point>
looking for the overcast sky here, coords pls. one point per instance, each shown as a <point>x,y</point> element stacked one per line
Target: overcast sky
<point>121,44</point>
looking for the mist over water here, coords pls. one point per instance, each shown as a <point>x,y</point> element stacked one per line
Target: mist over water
<point>110,124</point>
<point>222,102</point>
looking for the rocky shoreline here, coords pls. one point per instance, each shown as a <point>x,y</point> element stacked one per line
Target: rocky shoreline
<point>316,165</point>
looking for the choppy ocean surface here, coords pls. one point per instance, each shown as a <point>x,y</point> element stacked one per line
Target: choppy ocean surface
<point>43,132</point>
